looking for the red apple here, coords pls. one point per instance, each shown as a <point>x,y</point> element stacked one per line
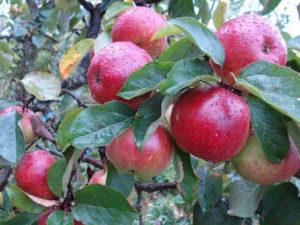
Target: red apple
<point>138,25</point>
<point>247,39</point>
<point>253,165</point>
<point>44,216</point>
<point>25,122</point>
<point>99,177</point>
<point>146,163</point>
<point>110,68</point>
<point>211,123</point>
<point>32,173</point>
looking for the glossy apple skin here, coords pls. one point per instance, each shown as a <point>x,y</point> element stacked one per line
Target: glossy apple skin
<point>44,216</point>
<point>244,39</point>
<point>110,68</point>
<point>25,122</point>
<point>146,163</point>
<point>32,173</point>
<point>211,123</point>
<point>99,177</point>
<point>253,165</point>
<point>138,25</point>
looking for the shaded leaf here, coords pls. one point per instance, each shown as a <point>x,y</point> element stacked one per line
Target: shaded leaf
<point>294,43</point>
<point>276,85</point>
<point>66,5</point>
<point>40,129</point>
<point>281,205</point>
<point>180,8</point>
<point>201,36</point>
<point>59,217</point>
<point>184,73</point>
<point>294,133</point>
<point>145,79</point>
<point>12,144</point>
<point>44,86</point>
<point>73,56</point>
<point>107,206</point>
<point>270,128</point>
<point>20,200</point>
<point>55,176</point>
<point>244,198</point>
<point>204,11</point>
<point>23,218</point>
<point>99,125</point>
<point>269,6</point>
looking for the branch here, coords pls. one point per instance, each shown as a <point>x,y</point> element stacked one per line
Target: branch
<point>96,163</point>
<point>87,5</point>
<point>4,175</point>
<point>79,101</point>
<point>152,187</point>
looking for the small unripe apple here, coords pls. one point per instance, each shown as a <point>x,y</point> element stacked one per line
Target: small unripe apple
<point>25,121</point>
<point>111,67</point>
<point>247,39</point>
<point>147,162</point>
<point>44,216</point>
<point>99,177</point>
<point>138,25</point>
<point>211,123</point>
<point>32,173</point>
<point>253,165</point>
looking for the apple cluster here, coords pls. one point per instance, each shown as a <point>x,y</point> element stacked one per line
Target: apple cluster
<point>211,122</point>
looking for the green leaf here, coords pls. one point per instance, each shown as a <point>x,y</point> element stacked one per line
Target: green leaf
<point>5,104</point>
<point>97,204</point>
<point>204,11</point>
<point>44,86</point>
<point>281,205</point>
<point>12,144</point>
<point>113,11</point>
<point>63,134</point>
<point>269,6</point>
<point>276,85</point>
<point>201,36</point>
<point>101,41</point>
<point>145,79</point>
<point>294,133</point>
<point>182,49</point>
<point>270,128</point>
<point>20,200</point>
<point>210,189</point>
<point>6,61</point>
<point>4,47</point>
<point>73,57</point>
<point>217,216</point>
<point>294,43</point>
<point>220,13</point>
<point>66,5</point>
<point>148,113</point>
<point>122,182</point>
<point>244,198</point>
<point>185,73</point>
<point>60,218</point>
<point>55,176</point>
<point>180,8</point>
<point>99,125</point>
<point>23,218</point>
<point>186,178</point>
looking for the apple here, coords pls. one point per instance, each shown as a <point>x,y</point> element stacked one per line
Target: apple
<point>99,177</point>
<point>42,220</point>
<point>211,123</point>
<point>247,39</point>
<point>253,165</point>
<point>32,173</point>
<point>147,162</point>
<point>25,121</point>
<point>138,25</point>
<point>110,68</point>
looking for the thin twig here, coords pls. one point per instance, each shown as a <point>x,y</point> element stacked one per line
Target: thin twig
<point>152,187</point>
<point>94,162</point>
<point>5,173</point>
<point>79,101</point>
<point>87,5</point>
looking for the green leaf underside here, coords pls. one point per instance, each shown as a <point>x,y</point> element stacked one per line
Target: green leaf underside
<point>201,36</point>
<point>107,206</point>
<point>146,79</point>
<point>99,125</point>
<point>55,176</point>
<point>270,128</point>
<point>23,218</point>
<point>60,218</point>
<point>148,113</point>
<point>12,144</point>
<point>185,73</point>
<point>276,85</point>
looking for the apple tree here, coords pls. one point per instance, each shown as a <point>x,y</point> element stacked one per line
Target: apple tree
<point>149,112</point>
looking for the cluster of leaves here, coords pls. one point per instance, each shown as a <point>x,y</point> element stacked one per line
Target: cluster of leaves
<point>273,96</point>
